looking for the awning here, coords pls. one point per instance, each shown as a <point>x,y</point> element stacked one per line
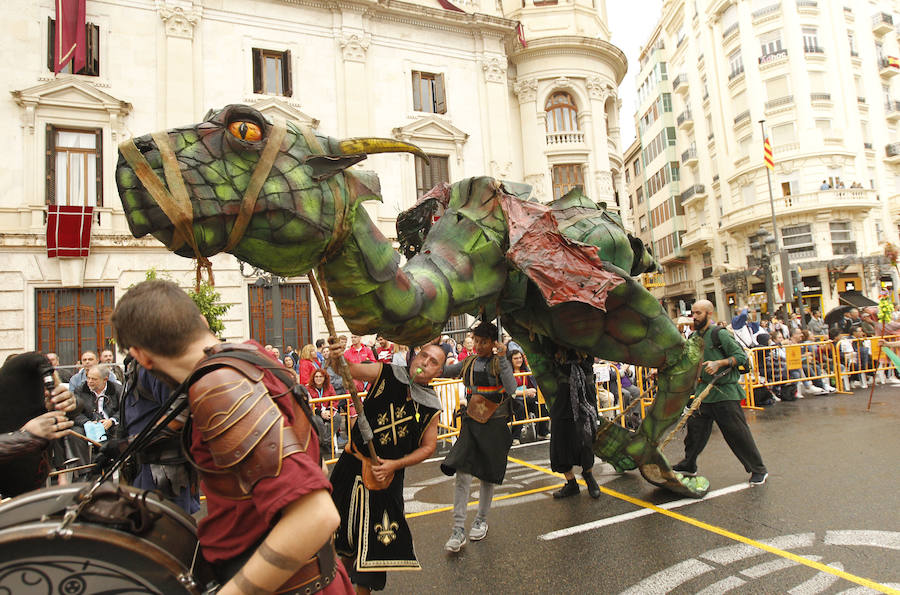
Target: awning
<point>856,299</point>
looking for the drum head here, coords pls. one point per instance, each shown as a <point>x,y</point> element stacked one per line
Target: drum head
<point>92,558</point>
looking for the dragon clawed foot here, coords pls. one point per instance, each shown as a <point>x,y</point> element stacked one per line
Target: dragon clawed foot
<point>626,450</point>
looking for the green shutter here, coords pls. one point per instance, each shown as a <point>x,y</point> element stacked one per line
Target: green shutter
<point>257,70</point>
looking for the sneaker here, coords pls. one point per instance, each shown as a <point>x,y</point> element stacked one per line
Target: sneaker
<point>685,469</point>
<point>569,489</point>
<point>516,442</point>
<point>854,384</point>
<point>544,437</point>
<point>830,389</point>
<point>478,531</point>
<point>893,380</point>
<point>457,539</point>
<point>757,479</point>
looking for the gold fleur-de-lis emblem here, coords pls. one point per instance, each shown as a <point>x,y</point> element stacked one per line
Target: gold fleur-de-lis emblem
<point>386,529</point>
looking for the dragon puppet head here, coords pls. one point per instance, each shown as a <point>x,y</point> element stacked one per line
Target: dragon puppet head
<point>278,198</point>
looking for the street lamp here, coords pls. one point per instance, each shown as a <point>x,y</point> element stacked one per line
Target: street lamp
<point>762,247</point>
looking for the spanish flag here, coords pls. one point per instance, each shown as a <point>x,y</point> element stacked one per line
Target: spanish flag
<point>893,62</point>
<point>768,156</point>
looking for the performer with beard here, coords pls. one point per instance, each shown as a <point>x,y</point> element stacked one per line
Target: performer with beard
<point>26,425</point>
<point>403,412</point>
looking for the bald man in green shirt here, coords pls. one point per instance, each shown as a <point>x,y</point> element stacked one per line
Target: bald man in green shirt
<point>723,403</point>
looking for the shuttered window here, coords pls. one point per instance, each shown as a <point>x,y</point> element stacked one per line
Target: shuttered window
<point>292,327</point>
<point>429,94</point>
<point>92,50</point>
<point>272,72</point>
<point>565,178</point>
<point>69,322</point>
<point>429,175</point>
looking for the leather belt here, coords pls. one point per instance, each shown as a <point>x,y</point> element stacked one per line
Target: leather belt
<point>316,574</point>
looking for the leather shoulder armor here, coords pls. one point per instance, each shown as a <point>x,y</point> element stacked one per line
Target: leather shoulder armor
<point>242,427</point>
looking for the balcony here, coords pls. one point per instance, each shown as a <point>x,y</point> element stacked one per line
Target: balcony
<point>764,12</point>
<point>844,249</point>
<point>799,204</point>
<point>680,83</point>
<point>892,153</point>
<point>732,29</point>
<point>741,117</point>
<point>680,288</point>
<point>703,233</point>
<point>820,98</point>
<point>888,66</point>
<point>807,6</point>
<point>736,72</point>
<point>809,48</point>
<point>781,102</point>
<point>882,23</point>
<point>773,57</point>
<point>685,120</point>
<point>695,192</point>
<point>651,280</point>
<point>689,157</point>
<point>565,138</point>
<point>892,110</point>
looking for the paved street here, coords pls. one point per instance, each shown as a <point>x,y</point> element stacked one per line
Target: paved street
<point>827,520</point>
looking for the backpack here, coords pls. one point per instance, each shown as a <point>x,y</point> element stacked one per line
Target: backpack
<point>717,343</point>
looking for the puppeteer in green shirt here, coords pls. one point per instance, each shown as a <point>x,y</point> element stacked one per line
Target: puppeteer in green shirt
<point>728,387</point>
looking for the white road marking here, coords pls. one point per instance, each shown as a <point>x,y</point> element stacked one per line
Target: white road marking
<point>638,513</point>
<point>742,551</point>
<point>773,566</point>
<point>886,539</point>
<point>819,583</point>
<point>664,581</point>
<point>723,586</point>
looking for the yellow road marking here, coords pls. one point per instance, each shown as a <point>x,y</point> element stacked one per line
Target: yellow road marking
<point>685,519</point>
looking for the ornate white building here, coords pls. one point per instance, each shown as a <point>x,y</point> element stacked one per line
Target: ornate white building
<point>823,77</point>
<point>459,84</point>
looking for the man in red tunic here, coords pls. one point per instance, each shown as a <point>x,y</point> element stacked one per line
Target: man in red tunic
<point>270,515</point>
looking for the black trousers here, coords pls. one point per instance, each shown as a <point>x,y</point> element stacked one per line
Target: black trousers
<point>729,416</point>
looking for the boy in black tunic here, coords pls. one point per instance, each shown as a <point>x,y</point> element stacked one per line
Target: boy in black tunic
<point>403,412</point>
<point>484,437</point>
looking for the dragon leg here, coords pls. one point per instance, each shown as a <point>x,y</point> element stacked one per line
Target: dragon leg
<point>634,329</point>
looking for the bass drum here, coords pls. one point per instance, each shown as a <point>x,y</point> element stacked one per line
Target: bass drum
<point>97,557</point>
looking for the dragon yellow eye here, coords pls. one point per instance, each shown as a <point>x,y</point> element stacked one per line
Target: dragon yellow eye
<point>245,130</point>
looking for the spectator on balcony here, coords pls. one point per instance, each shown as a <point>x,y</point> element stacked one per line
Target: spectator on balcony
<point>825,185</point>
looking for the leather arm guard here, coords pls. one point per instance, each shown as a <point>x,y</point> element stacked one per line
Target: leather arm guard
<point>15,444</point>
<point>242,427</point>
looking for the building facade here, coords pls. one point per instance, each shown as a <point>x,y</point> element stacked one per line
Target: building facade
<point>822,77</point>
<point>460,84</point>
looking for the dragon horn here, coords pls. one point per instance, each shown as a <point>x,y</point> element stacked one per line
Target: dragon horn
<point>368,146</point>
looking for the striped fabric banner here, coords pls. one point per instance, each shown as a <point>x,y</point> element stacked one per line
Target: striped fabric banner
<point>768,156</point>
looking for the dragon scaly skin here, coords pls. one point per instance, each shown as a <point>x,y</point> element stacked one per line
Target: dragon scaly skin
<point>558,275</point>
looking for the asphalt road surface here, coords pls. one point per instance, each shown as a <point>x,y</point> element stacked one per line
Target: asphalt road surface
<point>826,521</point>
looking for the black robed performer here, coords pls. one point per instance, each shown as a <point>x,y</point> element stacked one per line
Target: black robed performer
<point>403,412</point>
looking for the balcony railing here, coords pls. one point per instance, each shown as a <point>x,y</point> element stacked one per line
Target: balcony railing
<point>772,8</point>
<point>563,138</point>
<point>690,192</point>
<point>779,102</point>
<point>807,4</point>
<point>882,23</point>
<point>868,146</point>
<point>811,202</point>
<point>888,66</point>
<point>685,116</point>
<point>706,272</point>
<point>736,72</point>
<point>844,248</point>
<point>679,80</point>
<point>892,150</point>
<point>772,57</point>
<point>813,49</point>
<point>689,156</point>
<point>729,30</point>
<point>744,115</point>
<point>820,96</point>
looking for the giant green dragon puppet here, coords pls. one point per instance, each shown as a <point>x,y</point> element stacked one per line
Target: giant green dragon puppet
<point>559,275</point>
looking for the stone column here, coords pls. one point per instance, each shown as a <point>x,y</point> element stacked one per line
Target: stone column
<point>598,93</point>
<point>497,124</point>
<point>533,141</point>
<point>178,85</point>
<point>354,48</point>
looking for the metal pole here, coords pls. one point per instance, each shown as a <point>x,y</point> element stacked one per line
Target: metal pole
<point>277,322</point>
<point>785,270</point>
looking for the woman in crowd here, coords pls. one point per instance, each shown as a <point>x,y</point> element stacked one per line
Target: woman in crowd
<point>401,355</point>
<point>526,398</point>
<point>319,387</point>
<point>309,363</point>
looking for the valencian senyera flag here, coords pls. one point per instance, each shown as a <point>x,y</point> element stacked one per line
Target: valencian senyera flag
<point>768,156</point>
<point>70,35</point>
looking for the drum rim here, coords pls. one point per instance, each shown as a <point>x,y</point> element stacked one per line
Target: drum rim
<point>107,535</point>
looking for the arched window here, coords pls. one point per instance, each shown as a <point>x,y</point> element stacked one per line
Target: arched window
<point>562,115</point>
